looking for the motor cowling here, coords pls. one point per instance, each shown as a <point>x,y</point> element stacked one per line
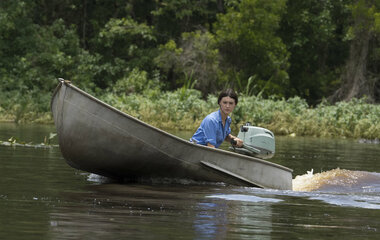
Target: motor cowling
<point>258,141</point>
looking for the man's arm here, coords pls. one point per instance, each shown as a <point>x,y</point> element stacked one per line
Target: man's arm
<point>239,142</point>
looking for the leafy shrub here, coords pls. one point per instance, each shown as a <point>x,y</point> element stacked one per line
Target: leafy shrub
<point>184,109</point>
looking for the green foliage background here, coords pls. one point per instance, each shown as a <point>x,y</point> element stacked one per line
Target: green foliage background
<point>164,61</point>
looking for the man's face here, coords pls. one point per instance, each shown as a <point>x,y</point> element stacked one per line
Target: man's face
<point>227,105</point>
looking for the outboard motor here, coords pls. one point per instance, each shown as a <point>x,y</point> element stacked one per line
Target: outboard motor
<point>258,142</point>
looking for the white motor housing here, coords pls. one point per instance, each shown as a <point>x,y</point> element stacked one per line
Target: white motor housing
<point>258,142</point>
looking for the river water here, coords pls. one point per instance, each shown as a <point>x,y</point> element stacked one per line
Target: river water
<point>336,195</point>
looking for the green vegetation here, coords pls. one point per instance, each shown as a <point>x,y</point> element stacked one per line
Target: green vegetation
<point>298,65</point>
<point>184,109</point>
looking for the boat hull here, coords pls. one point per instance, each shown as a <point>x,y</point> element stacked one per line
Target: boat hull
<point>97,138</point>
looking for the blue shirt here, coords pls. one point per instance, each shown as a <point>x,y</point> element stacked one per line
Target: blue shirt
<point>211,130</point>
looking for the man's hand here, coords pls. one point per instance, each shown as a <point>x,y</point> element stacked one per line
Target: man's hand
<point>235,141</point>
<point>239,142</point>
<point>210,145</point>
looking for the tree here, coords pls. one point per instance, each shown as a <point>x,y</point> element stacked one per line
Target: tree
<point>357,80</point>
<point>124,44</point>
<point>32,57</point>
<point>171,18</point>
<point>313,32</point>
<point>248,42</point>
<point>195,61</point>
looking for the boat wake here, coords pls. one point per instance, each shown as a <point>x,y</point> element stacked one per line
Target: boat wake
<point>175,181</point>
<point>338,180</point>
<point>341,187</point>
<point>338,187</point>
<point>92,177</point>
<point>244,198</point>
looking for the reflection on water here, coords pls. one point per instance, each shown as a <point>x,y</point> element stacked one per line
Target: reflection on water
<point>41,197</point>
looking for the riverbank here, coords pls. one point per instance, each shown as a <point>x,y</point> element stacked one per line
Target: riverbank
<point>185,109</point>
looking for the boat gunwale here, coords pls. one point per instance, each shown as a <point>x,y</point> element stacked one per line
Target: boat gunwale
<point>69,84</point>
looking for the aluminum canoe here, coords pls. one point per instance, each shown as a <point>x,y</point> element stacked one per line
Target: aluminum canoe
<point>96,137</point>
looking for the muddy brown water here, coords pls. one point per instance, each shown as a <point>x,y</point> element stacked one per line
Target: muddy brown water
<point>336,195</point>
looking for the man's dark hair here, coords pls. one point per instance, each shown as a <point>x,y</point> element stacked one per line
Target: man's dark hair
<point>228,93</point>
